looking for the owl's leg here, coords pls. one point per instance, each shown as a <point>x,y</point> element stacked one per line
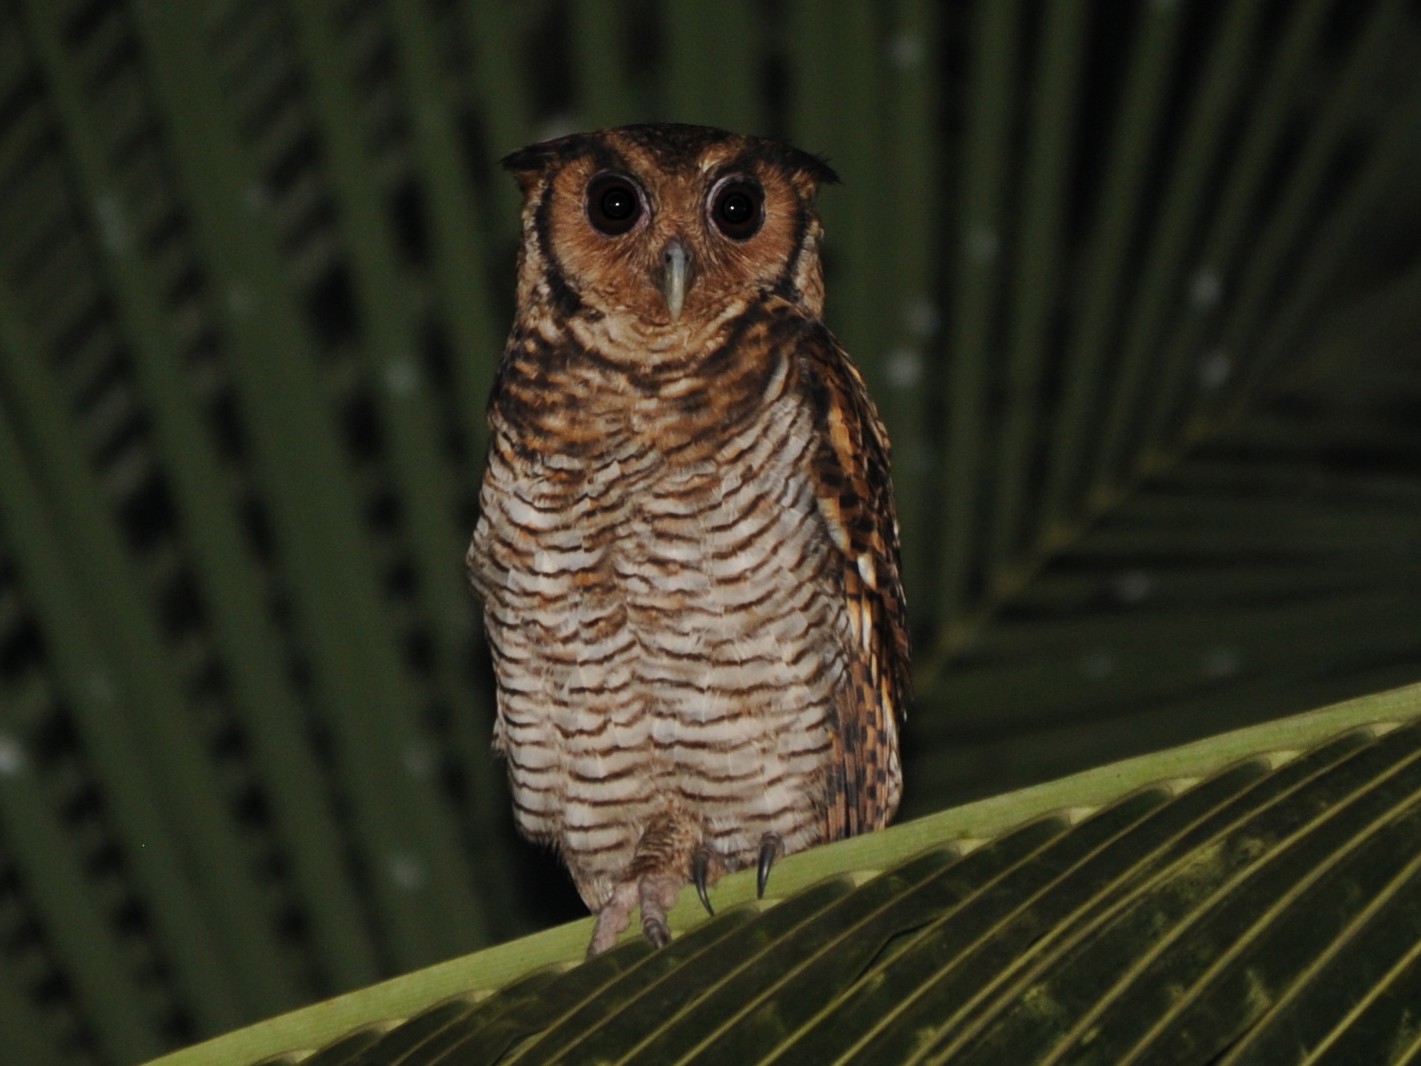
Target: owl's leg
<point>654,893</point>
<point>670,853</point>
<point>772,846</point>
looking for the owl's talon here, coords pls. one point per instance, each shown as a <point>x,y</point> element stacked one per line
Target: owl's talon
<point>771,847</point>
<point>657,894</point>
<point>656,931</point>
<point>700,868</point>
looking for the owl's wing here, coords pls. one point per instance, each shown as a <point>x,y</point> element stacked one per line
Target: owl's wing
<point>850,474</point>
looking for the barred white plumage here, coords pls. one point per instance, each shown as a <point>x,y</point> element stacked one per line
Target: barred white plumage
<point>686,548</point>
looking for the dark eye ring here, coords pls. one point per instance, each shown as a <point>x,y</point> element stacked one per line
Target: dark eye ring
<point>614,203</point>
<point>738,208</point>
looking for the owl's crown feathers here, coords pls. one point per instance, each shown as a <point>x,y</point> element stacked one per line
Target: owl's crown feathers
<point>675,145</point>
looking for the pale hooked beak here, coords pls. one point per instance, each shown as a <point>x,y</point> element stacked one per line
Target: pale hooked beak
<point>675,269</point>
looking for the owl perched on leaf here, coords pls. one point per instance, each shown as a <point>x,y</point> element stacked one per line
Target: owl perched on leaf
<point>686,550</point>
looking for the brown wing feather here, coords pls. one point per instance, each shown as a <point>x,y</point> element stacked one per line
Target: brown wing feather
<point>850,472</point>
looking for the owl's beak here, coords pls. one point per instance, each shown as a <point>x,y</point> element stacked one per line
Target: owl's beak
<point>675,272</point>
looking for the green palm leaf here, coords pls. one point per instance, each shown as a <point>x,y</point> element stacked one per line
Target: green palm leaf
<point>1254,893</point>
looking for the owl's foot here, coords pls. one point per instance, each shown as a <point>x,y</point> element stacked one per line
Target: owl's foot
<point>654,893</point>
<point>772,846</point>
<point>615,915</point>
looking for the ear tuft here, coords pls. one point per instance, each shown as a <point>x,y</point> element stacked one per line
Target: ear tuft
<point>816,167</point>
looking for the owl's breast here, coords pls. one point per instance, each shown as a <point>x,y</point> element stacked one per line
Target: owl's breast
<point>661,601</point>
<point>547,521</point>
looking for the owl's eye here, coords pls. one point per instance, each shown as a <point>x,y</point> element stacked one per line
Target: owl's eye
<point>738,208</point>
<point>613,203</point>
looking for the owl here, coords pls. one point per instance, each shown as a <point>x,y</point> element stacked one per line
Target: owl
<point>686,549</point>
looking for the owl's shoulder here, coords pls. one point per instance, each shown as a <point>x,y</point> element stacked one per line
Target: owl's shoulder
<point>850,470</point>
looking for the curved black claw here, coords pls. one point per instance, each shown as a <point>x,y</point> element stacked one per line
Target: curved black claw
<point>771,846</point>
<point>700,868</point>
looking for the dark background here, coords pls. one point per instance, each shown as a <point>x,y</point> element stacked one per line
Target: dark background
<point>1137,287</point>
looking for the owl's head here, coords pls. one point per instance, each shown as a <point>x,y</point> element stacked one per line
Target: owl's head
<point>657,229</point>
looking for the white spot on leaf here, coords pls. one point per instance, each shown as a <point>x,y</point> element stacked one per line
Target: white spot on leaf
<point>1220,662</point>
<point>905,368</point>
<point>907,50</point>
<point>1098,664</point>
<point>1132,586</point>
<point>921,317</point>
<point>419,760</point>
<point>115,232</point>
<point>12,756</point>
<point>241,300</point>
<point>1215,369</point>
<point>401,377</point>
<point>982,244</point>
<point>1206,289</point>
<point>407,871</point>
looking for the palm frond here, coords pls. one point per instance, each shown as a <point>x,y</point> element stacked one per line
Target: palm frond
<point>1252,894</point>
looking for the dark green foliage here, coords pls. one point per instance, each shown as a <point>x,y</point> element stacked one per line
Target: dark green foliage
<point>1136,287</point>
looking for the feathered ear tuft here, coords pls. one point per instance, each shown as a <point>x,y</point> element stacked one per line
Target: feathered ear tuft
<point>532,157</point>
<point>531,163</point>
<point>528,165</point>
<point>815,167</point>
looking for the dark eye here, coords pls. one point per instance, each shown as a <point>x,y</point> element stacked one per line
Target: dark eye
<point>738,209</point>
<point>613,203</point>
